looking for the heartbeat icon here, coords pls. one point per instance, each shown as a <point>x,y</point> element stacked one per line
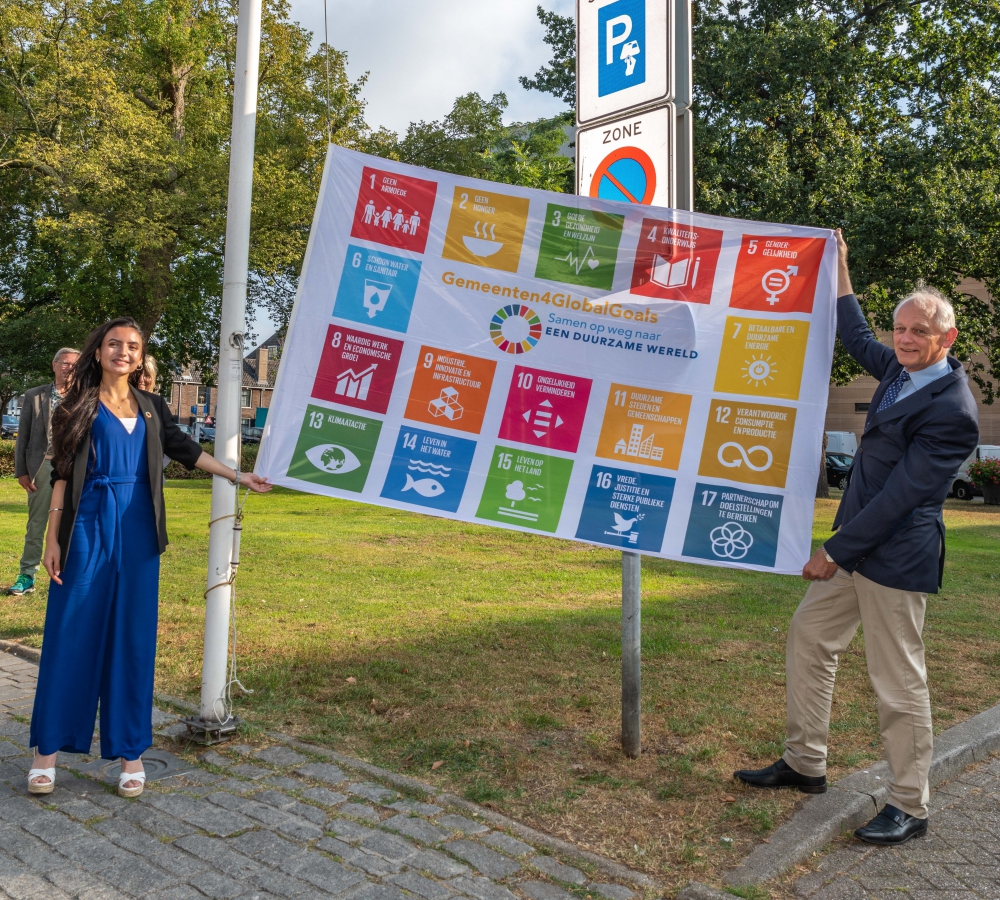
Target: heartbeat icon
<point>578,262</point>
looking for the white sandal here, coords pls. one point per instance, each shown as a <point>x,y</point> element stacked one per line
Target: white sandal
<point>126,777</point>
<point>44,787</point>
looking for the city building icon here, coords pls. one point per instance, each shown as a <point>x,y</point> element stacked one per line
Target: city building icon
<point>355,385</point>
<point>639,446</point>
<point>447,405</point>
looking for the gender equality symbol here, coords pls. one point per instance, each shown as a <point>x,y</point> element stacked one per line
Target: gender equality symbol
<point>625,174</point>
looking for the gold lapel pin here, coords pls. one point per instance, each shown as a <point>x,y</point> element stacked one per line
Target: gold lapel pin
<point>149,415</point>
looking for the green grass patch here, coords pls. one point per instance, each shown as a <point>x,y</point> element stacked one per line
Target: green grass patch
<point>409,640</point>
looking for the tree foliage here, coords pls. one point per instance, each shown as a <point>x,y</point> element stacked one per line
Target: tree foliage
<point>879,117</point>
<point>473,140</point>
<point>114,160</point>
<point>114,130</point>
<point>559,77</point>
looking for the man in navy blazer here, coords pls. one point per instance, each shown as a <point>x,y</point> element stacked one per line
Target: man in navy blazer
<point>886,556</point>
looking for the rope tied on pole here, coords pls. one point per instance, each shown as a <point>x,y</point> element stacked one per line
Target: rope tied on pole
<point>227,695</point>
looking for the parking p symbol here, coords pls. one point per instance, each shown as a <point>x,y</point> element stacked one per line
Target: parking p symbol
<point>613,39</point>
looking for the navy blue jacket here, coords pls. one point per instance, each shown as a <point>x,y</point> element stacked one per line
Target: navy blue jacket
<point>889,525</point>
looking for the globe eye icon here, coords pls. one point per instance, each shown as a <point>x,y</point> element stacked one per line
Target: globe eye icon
<point>758,371</point>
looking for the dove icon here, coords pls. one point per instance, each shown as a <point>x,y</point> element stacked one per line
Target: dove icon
<point>622,525</point>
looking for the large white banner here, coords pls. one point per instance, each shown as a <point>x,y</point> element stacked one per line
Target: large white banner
<point>636,377</point>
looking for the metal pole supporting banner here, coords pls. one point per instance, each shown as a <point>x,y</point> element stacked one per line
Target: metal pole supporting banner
<point>683,98</point>
<point>227,427</point>
<point>631,654</point>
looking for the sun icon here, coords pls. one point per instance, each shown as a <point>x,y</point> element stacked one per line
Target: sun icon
<point>759,371</point>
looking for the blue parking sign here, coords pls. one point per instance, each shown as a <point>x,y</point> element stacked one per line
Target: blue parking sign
<point>621,46</point>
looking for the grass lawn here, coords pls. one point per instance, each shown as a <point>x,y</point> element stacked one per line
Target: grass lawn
<point>409,640</point>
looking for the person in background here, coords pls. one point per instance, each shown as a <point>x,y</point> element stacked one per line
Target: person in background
<point>106,531</point>
<point>33,466</point>
<point>146,380</point>
<point>887,555</point>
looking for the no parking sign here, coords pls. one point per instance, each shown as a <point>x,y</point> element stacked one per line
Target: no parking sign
<point>628,159</point>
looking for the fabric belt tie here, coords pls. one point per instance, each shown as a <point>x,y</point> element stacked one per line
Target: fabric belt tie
<point>108,518</point>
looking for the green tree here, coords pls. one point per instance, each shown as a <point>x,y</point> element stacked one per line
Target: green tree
<point>559,77</point>
<point>473,140</point>
<point>114,129</point>
<point>882,118</point>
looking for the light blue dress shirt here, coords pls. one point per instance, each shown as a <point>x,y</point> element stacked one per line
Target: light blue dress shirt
<point>924,377</point>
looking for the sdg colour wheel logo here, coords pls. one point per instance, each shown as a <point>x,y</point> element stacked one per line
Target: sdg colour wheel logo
<point>515,328</point>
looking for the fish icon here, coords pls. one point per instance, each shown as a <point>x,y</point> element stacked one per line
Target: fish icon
<point>426,487</point>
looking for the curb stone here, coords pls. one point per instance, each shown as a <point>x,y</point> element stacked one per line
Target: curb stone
<point>855,799</point>
<point>698,891</point>
<point>32,654</point>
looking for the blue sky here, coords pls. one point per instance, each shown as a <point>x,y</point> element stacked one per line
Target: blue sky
<point>422,54</point>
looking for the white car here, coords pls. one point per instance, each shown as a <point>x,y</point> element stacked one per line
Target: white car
<point>963,488</point>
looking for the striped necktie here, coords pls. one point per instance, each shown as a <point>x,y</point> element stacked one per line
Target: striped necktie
<point>892,392</point>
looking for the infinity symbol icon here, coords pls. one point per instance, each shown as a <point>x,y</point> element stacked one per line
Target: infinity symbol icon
<point>744,456</point>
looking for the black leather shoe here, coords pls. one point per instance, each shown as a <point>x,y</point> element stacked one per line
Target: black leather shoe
<point>891,826</point>
<point>782,775</point>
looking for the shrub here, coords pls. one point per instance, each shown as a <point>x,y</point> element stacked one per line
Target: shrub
<point>249,460</point>
<point>984,471</point>
<point>6,459</point>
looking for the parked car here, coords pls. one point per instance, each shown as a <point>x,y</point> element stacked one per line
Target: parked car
<point>208,432</point>
<point>963,488</point>
<point>838,465</point>
<point>251,435</point>
<point>185,428</point>
<point>9,428</point>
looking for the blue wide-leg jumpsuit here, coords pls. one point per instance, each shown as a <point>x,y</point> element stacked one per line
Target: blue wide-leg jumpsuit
<point>100,624</point>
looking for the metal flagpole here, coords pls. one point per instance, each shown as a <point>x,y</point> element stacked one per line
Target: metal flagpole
<point>215,719</point>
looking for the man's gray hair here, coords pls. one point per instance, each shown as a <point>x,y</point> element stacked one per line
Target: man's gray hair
<point>62,351</point>
<point>932,303</point>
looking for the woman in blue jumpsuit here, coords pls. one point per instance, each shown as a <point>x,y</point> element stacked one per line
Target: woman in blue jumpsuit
<point>105,536</point>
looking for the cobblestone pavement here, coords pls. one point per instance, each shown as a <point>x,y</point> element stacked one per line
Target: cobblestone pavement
<point>959,859</point>
<point>250,824</point>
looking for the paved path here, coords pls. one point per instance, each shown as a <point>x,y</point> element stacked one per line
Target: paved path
<point>252,823</point>
<point>959,859</point>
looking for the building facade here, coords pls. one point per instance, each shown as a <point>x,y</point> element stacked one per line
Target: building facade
<point>260,370</point>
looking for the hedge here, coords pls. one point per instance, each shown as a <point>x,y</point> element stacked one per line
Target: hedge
<point>174,470</point>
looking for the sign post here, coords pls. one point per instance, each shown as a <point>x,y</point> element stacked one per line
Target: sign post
<point>634,145</point>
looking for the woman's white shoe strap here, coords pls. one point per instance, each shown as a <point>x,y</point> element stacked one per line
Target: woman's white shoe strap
<point>126,777</point>
<point>38,773</point>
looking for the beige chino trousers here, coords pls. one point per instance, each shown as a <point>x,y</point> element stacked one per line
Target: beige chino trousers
<point>821,629</point>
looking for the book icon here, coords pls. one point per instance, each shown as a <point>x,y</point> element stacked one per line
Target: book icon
<point>674,274</point>
<point>355,384</point>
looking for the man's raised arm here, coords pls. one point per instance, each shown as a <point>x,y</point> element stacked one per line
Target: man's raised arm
<point>852,326</point>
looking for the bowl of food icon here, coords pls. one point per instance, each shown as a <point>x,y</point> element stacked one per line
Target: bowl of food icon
<point>480,247</point>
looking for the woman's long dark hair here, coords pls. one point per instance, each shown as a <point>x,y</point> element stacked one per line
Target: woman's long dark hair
<point>75,415</point>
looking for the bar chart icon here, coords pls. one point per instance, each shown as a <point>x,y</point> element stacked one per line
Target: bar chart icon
<point>355,385</point>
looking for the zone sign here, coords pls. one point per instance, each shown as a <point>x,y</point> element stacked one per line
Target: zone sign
<point>624,50</point>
